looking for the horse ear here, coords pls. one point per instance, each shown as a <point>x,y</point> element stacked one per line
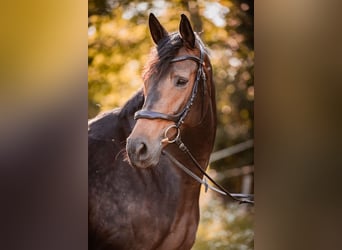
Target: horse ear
<point>157,30</point>
<point>186,32</point>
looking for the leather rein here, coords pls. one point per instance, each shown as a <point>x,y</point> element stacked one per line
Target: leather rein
<point>178,119</point>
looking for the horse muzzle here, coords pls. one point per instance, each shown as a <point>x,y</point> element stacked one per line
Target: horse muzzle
<point>141,153</point>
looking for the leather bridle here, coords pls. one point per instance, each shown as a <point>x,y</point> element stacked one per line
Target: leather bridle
<point>178,119</point>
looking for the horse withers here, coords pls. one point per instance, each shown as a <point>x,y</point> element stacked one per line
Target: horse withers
<point>138,197</point>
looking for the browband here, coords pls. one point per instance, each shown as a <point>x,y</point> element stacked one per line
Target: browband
<point>183,58</point>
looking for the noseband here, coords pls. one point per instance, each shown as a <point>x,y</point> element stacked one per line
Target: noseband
<point>178,118</point>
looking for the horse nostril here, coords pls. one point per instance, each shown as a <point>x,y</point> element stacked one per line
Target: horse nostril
<point>142,153</point>
<point>141,148</point>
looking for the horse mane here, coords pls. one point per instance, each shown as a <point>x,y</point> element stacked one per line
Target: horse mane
<point>133,104</point>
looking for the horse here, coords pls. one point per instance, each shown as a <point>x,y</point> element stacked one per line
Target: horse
<point>139,199</point>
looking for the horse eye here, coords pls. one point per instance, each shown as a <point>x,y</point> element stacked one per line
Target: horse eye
<point>181,82</point>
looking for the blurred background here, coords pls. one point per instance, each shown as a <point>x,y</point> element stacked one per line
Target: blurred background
<point>118,45</point>
<point>43,107</point>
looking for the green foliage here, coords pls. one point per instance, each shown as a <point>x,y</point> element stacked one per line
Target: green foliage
<point>119,43</point>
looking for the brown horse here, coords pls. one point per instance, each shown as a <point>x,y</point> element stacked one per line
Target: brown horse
<point>138,197</point>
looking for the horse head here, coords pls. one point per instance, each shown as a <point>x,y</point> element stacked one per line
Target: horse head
<point>176,81</point>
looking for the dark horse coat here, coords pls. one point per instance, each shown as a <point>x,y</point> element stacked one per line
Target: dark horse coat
<point>150,207</point>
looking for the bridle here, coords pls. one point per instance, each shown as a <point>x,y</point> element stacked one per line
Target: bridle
<point>178,119</point>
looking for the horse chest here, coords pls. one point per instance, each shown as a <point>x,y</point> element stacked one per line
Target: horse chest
<point>156,230</point>
<point>140,216</point>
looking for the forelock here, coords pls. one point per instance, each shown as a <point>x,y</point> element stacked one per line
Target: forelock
<point>161,55</point>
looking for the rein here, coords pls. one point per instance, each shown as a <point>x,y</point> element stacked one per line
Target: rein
<point>241,198</point>
<point>178,119</point>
